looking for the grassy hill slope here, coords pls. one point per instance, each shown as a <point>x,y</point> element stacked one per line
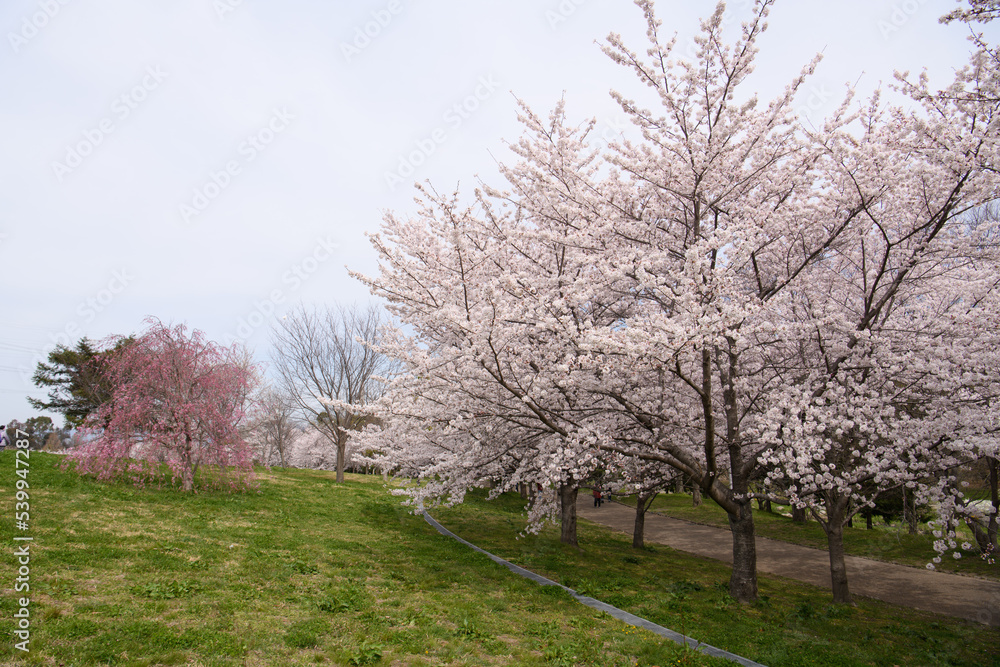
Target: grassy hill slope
<point>310,572</point>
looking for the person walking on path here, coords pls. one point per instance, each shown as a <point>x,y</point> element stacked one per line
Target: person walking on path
<point>598,499</point>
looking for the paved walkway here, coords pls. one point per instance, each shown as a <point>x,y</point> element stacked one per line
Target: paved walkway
<point>964,597</point>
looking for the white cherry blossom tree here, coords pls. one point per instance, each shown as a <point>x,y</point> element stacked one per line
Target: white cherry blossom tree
<point>729,293</point>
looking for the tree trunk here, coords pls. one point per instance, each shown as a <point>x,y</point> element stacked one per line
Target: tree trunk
<point>834,527</point>
<point>638,531</point>
<point>341,455</point>
<point>187,475</point>
<point>743,581</point>
<point>910,511</point>
<point>798,514</point>
<point>567,507</point>
<point>868,521</point>
<point>695,495</point>
<point>522,488</point>
<point>187,479</point>
<point>991,526</point>
<point>679,484</point>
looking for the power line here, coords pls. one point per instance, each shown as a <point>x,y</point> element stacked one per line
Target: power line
<point>20,348</point>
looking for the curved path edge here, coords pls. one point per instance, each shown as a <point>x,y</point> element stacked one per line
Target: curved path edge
<point>968,598</point>
<point>620,614</point>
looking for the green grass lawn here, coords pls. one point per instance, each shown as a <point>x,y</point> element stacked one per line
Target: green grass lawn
<point>304,572</point>
<point>310,572</point>
<point>794,624</point>
<point>890,543</point>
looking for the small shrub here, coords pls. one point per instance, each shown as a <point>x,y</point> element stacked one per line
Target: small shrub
<point>301,567</point>
<point>838,611</point>
<point>586,587</point>
<point>469,629</point>
<point>683,588</point>
<point>364,654</point>
<point>198,564</point>
<point>562,655</point>
<point>350,598</point>
<point>804,612</point>
<point>546,630</point>
<point>63,590</point>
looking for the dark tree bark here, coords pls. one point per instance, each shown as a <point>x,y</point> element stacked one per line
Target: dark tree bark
<point>743,582</point>
<point>910,512</point>
<point>836,510</point>
<point>991,527</point>
<point>567,510</point>
<point>341,455</point>
<point>643,501</point>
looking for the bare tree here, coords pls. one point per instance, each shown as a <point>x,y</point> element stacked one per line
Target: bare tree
<point>271,426</point>
<point>329,356</point>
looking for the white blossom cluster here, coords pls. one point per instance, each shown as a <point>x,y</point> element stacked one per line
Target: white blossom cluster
<point>763,306</point>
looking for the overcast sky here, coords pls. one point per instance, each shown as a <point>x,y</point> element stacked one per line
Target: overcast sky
<point>216,162</point>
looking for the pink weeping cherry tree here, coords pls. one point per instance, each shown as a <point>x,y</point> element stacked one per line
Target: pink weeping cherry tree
<point>176,405</point>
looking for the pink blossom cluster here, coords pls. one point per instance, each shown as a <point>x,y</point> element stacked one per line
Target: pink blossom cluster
<point>177,402</point>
